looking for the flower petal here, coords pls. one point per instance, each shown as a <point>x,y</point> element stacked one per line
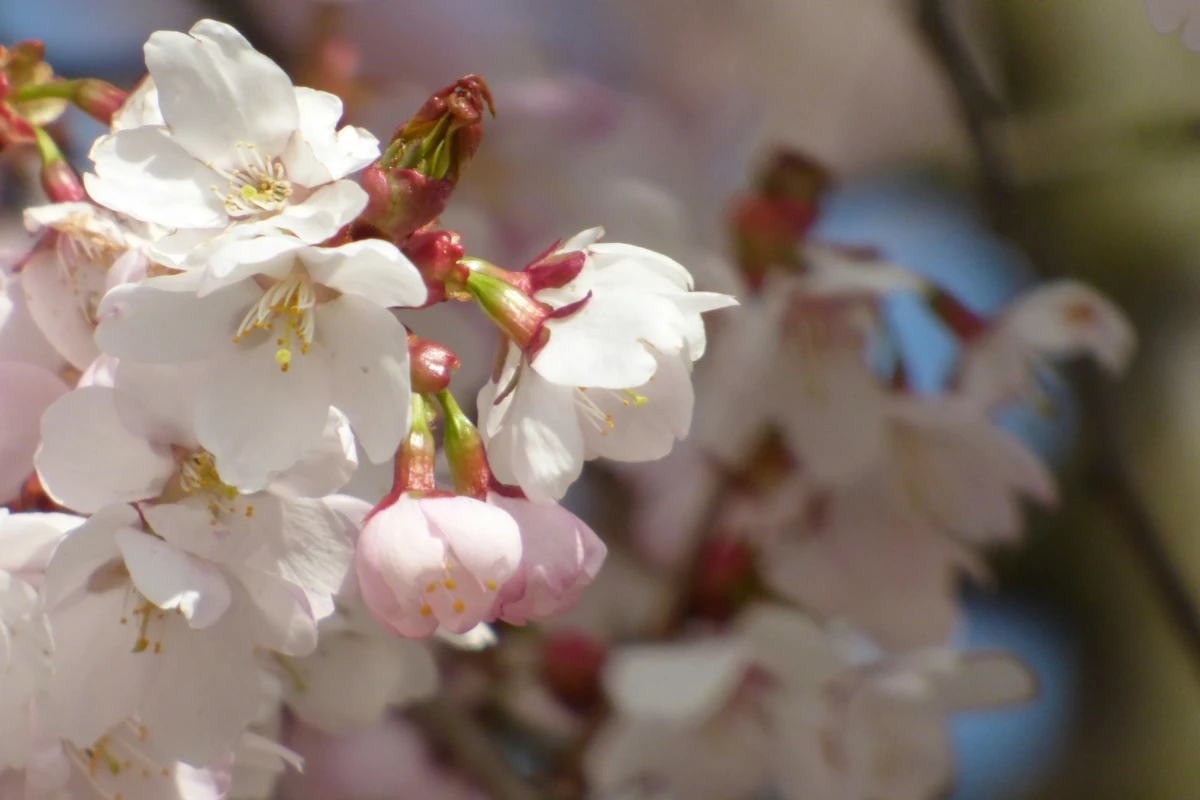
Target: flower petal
<point>26,391</point>
<point>372,269</point>
<point>58,297</point>
<point>161,320</point>
<point>144,173</point>
<point>323,213</point>
<point>326,466</point>
<point>368,361</point>
<point>256,419</point>
<point>172,579</point>
<point>319,153</point>
<point>484,538</point>
<point>216,92</point>
<point>89,459</point>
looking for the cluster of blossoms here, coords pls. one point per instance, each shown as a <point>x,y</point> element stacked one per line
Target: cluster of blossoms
<point>211,333</point>
<point>215,346</point>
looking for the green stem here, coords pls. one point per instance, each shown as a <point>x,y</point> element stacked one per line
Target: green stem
<point>60,90</point>
<point>47,147</point>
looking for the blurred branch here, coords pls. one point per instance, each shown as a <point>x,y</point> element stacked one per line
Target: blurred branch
<point>471,749</point>
<point>240,14</point>
<point>1106,472</point>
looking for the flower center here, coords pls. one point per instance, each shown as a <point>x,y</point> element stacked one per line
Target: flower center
<point>84,257</point>
<point>586,402</point>
<point>447,585</point>
<point>259,186</point>
<point>293,301</point>
<point>198,476</point>
<point>115,758</point>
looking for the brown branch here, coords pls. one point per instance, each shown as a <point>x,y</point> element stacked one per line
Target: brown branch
<point>1106,474</point>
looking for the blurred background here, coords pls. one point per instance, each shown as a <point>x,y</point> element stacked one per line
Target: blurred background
<point>649,116</point>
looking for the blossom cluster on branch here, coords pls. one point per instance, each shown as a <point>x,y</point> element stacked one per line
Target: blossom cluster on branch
<point>220,328</point>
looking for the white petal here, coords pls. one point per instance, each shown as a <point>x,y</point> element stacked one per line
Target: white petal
<point>648,431</point>
<point>26,391</point>
<point>258,420</point>
<point>144,173</point>
<point>28,540</point>
<point>215,91</point>
<point>161,320</point>
<point>59,298</point>
<point>312,552</point>
<point>372,269</point>
<point>1069,318</point>
<point>156,401</point>
<point>141,107</point>
<point>601,344</point>
<point>319,153</point>
<point>89,459</point>
<point>89,548</point>
<point>682,682</point>
<point>323,213</point>
<point>326,466</point>
<point>285,621</point>
<point>538,445</point>
<point>368,361</point>
<point>172,579</point>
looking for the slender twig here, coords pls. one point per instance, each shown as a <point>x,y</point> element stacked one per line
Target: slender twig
<point>471,749</point>
<point>1106,473</point>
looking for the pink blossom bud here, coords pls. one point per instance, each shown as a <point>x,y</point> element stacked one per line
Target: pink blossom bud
<point>560,557</point>
<point>429,561</point>
<point>401,201</point>
<point>431,364</point>
<point>61,183</point>
<point>572,665</point>
<point>99,99</point>
<point>444,134</point>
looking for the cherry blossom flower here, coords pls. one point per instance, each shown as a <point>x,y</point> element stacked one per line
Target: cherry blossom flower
<point>1055,321</point>
<point>560,556</point>
<point>134,442</point>
<point>610,378</point>
<point>285,330</point>
<point>425,561</point>
<point>157,613</point>
<point>238,145</point>
<point>87,251</point>
<point>783,700</point>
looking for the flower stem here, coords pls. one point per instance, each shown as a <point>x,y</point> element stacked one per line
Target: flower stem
<point>61,90</point>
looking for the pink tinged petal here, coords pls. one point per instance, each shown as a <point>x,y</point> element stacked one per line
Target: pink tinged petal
<point>258,420</point>
<point>173,579</point>
<point>368,371</point>
<point>1068,318</point>
<point>20,338</point>
<point>318,152</point>
<point>98,679</point>
<point>323,213</point>
<point>215,91</point>
<point>325,466</point>
<point>89,459</point>
<point>284,620</point>
<point>685,683</point>
<point>28,540</point>
<point>538,444</point>
<point>203,688</point>
<point>90,548</point>
<point>397,558</point>
<point>161,320</point>
<point>601,344</point>
<point>25,393</point>
<point>560,556</point>
<point>484,538</point>
<point>647,422</point>
<point>144,173</point>
<point>59,298</point>
<point>190,528</point>
<point>372,269</point>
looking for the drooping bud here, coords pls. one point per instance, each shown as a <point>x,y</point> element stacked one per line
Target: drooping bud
<point>400,201</point>
<point>59,180</point>
<point>518,315</point>
<point>99,99</point>
<point>465,452</point>
<point>438,255</point>
<point>441,138</point>
<point>431,364</point>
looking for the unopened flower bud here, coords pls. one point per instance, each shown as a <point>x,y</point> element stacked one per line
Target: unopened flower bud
<point>518,315</point>
<point>402,200</point>
<point>414,459</point>
<point>438,255</point>
<point>61,183</point>
<point>99,99</point>
<point>465,452</point>
<point>443,135</point>
<point>431,364</point>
